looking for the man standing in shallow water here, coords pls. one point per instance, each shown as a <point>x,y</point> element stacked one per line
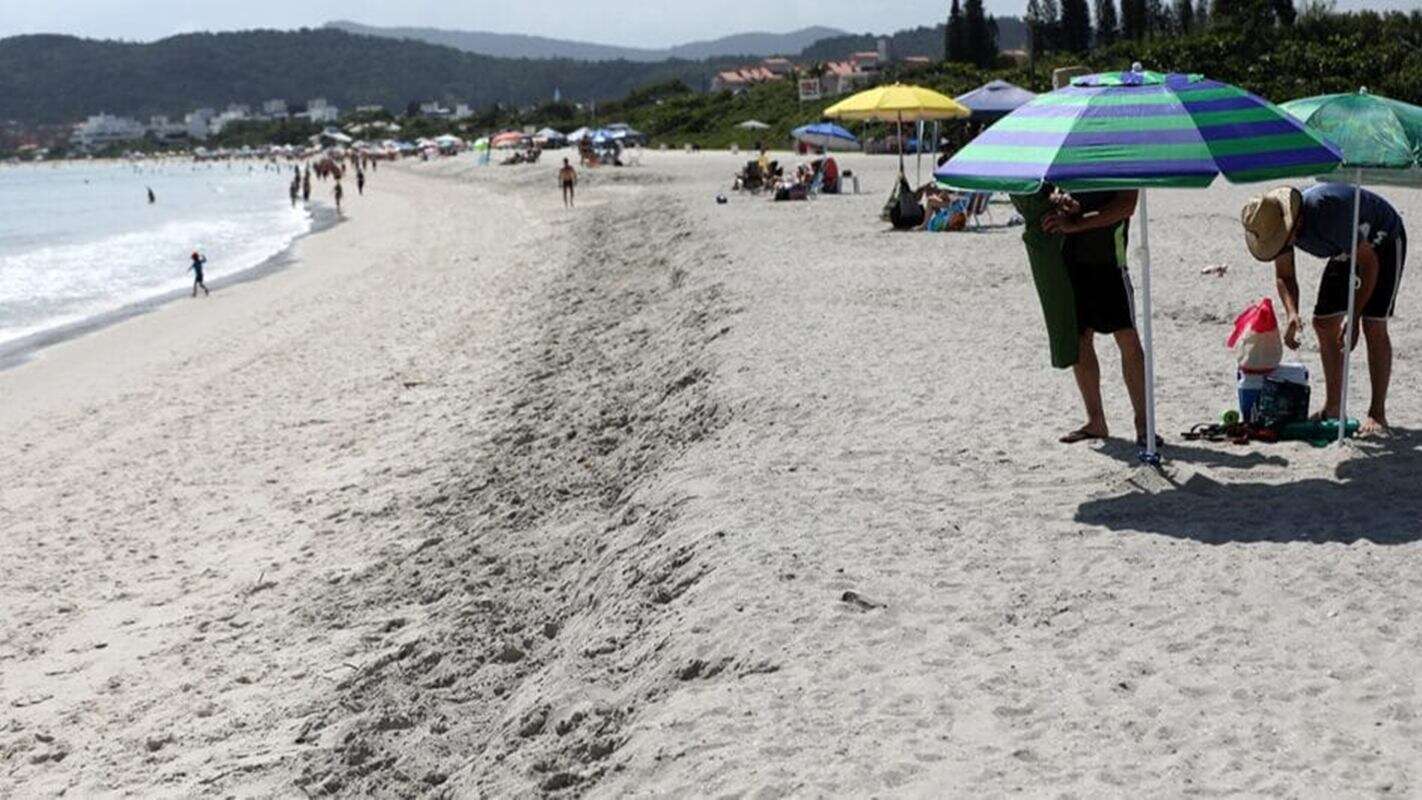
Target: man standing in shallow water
<point>1319,221</point>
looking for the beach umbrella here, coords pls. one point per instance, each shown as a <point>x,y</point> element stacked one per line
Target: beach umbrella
<point>1139,130</point>
<point>897,102</point>
<point>995,99</point>
<point>1381,142</point>
<point>507,139</point>
<point>827,135</point>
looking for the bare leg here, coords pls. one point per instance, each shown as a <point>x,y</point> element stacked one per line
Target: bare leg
<point>1087,371</point>
<point>1133,371</point>
<point>1331,354</point>
<point>1380,373</point>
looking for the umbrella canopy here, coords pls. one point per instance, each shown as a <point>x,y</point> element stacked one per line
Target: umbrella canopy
<point>897,102</point>
<point>1138,130</point>
<point>995,99</point>
<point>1381,136</point>
<point>753,125</point>
<point>827,135</point>
<point>1381,141</point>
<point>549,134</point>
<point>507,139</point>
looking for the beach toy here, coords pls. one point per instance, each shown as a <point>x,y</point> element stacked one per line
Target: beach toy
<point>1255,339</point>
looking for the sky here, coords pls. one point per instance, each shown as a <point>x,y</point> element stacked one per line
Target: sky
<point>650,23</point>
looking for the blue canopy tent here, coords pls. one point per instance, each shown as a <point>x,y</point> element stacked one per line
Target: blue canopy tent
<point>994,100</point>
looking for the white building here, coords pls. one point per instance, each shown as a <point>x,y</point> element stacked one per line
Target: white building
<point>317,110</point>
<point>104,129</point>
<point>199,123</point>
<point>276,108</point>
<point>163,128</point>
<point>463,111</point>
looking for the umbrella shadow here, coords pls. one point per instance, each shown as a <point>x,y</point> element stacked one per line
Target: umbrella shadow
<point>1372,497</point>
<point>1128,452</point>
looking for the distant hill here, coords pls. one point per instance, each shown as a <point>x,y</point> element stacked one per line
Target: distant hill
<point>510,45</point>
<point>53,79</point>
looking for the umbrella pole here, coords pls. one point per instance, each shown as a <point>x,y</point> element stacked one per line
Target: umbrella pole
<point>1149,455</point>
<point>1348,320</point>
<point>901,143</point>
<point>918,157</point>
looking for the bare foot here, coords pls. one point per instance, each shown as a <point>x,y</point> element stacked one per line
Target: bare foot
<point>1084,434</point>
<point>1374,426</point>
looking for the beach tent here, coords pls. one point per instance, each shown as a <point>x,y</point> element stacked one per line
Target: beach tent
<point>550,137</point>
<point>1139,130</point>
<point>579,134</point>
<point>897,102</point>
<point>753,125</point>
<point>827,135</point>
<point>1381,142</point>
<point>995,99</point>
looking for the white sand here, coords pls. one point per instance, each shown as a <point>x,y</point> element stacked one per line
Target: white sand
<point>485,498</point>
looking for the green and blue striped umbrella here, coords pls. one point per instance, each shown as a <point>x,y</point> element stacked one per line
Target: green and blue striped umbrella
<point>1139,130</point>
<point>1135,130</point>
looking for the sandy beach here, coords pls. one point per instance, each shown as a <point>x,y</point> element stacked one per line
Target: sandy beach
<point>654,497</point>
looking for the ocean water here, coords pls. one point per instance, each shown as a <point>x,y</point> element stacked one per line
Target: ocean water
<point>81,240</point>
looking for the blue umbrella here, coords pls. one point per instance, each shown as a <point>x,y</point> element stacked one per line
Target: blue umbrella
<point>995,99</point>
<point>827,135</point>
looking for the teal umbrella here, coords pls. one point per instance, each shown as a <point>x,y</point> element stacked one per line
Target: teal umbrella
<point>1139,130</point>
<point>1381,142</point>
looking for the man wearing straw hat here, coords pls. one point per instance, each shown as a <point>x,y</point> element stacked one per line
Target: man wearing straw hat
<point>1319,221</point>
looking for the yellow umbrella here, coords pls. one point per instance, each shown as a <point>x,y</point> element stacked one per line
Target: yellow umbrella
<point>897,102</point>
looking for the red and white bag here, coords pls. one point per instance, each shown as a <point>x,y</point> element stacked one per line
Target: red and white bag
<point>1256,340</point>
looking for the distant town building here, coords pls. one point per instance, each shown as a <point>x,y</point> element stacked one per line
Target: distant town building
<point>738,80</point>
<point>463,111</point>
<point>318,110</point>
<point>372,109</point>
<point>275,108</point>
<point>105,129</point>
<point>199,123</point>
<point>433,109</point>
<point>160,127</point>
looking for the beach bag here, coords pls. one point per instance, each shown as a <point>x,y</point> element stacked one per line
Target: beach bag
<point>1280,403</point>
<point>1255,340</point>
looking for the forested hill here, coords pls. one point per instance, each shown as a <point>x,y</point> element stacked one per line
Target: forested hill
<point>921,41</point>
<point>51,79</point>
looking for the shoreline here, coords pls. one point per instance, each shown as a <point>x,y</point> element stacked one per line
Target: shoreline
<point>22,350</point>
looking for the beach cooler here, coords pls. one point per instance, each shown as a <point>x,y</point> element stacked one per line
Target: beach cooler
<point>1250,384</point>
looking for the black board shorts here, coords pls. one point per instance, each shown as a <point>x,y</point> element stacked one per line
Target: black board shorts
<point>1333,286</point>
<point>1105,299</point>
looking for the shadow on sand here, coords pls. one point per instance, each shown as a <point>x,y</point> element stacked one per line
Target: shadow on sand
<point>1374,497</point>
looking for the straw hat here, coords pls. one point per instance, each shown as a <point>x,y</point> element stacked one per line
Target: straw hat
<point>1269,221</point>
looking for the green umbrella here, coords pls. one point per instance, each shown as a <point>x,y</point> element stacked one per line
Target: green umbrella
<point>1381,142</point>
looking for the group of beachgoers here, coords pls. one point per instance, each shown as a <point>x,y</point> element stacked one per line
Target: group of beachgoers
<point>331,167</point>
<point>1277,224</point>
<point>819,175</point>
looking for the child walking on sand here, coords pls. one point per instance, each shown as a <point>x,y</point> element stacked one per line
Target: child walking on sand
<point>198,261</point>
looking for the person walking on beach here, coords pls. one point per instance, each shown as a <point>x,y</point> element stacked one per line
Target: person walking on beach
<point>339,194</point>
<point>1319,221</point>
<point>568,177</point>
<point>196,268</point>
<point>306,187</point>
<point>295,190</point>
<point>1095,226</point>
<point>152,198</point>
<point>360,182</point>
